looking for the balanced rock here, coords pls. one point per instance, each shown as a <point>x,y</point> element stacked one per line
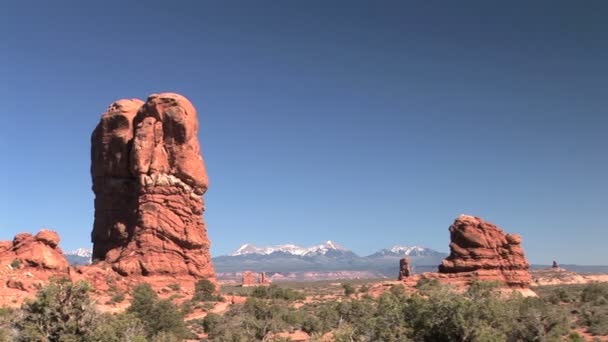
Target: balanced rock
<point>480,250</point>
<point>37,251</point>
<point>149,178</point>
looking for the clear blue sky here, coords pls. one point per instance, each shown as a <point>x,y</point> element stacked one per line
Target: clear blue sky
<point>368,123</point>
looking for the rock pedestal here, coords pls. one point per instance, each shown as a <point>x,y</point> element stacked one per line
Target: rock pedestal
<point>148,178</point>
<point>405,269</point>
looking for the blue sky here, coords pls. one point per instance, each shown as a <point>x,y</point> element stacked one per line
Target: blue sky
<point>368,123</point>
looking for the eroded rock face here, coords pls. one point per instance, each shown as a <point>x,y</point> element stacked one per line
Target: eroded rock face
<point>481,250</point>
<point>148,178</point>
<point>36,251</point>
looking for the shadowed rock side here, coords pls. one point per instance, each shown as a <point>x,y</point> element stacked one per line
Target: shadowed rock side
<point>148,178</point>
<point>481,250</point>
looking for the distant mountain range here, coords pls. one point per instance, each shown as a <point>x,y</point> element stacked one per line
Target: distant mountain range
<point>321,249</point>
<point>328,258</point>
<point>80,256</point>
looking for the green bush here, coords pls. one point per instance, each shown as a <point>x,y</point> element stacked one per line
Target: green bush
<point>596,319</point>
<point>204,290</point>
<point>276,292</point>
<point>7,319</point>
<point>117,298</point>
<point>174,287</point>
<point>61,311</point>
<point>118,328</point>
<point>16,264</point>
<point>348,289</point>
<point>158,316</point>
<point>596,293</point>
<point>255,320</point>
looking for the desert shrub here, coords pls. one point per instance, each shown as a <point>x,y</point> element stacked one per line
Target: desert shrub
<point>204,290</point>
<point>344,333</point>
<point>255,320</point>
<point>211,321</point>
<point>575,337</point>
<point>435,313</point>
<point>164,336</point>
<point>118,328</point>
<point>174,286</point>
<point>596,319</point>
<point>158,316</point>
<point>16,264</point>
<point>187,307</point>
<point>276,292</point>
<point>61,311</point>
<point>428,283</point>
<point>560,295</point>
<point>364,288</point>
<point>535,320</point>
<point>348,289</point>
<point>7,319</point>
<point>117,298</point>
<point>596,293</point>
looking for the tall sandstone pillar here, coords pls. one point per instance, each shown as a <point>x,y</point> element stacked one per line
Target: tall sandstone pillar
<point>148,179</point>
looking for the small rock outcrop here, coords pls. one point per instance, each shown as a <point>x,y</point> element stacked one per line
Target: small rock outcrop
<point>36,251</point>
<point>481,250</point>
<point>148,179</point>
<point>405,270</point>
<point>253,279</point>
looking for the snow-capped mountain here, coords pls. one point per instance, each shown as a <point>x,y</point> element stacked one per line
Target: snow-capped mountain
<point>81,252</point>
<point>325,257</point>
<point>80,256</point>
<point>410,251</point>
<point>321,249</point>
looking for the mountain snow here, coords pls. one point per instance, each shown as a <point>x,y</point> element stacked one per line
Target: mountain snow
<point>407,251</point>
<point>289,249</point>
<point>81,252</point>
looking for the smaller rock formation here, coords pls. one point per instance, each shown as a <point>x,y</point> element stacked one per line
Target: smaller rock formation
<point>405,269</point>
<point>252,279</point>
<point>264,279</point>
<point>480,250</point>
<point>38,251</point>
<point>249,279</point>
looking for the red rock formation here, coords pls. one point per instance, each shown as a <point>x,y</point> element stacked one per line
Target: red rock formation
<point>264,280</point>
<point>249,279</point>
<point>36,251</point>
<point>404,268</point>
<point>148,178</point>
<point>252,279</point>
<point>481,250</point>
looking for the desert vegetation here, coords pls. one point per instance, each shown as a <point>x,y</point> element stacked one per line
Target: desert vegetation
<point>64,311</point>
